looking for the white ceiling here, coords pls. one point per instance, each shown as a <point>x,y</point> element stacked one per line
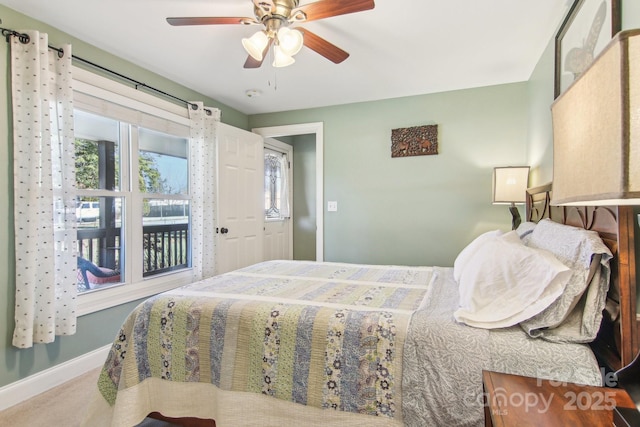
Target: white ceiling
<point>400,48</point>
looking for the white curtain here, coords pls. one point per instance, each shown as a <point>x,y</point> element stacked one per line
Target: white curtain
<point>284,187</point>
<point>44,191</point>
<point>202,152</point>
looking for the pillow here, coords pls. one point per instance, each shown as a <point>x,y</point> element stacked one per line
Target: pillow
<point>107,276</point>
<point>468,252</point>
<point>524,230</point>
<point>505,282</point>
<point>577,314</point>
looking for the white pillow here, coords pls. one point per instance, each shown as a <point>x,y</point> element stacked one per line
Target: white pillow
<point>504,282</point>
<point>469,251</point>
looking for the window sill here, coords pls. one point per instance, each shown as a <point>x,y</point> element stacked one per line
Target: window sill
<point>91,302</point>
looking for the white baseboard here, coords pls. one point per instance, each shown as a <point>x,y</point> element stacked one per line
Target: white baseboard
<point>26,388</point>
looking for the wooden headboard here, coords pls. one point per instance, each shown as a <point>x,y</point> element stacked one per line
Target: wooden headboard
<point>617,341</point>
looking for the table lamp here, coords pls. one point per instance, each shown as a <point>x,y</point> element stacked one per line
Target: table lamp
<point>509,187</point>
<point>596,157</point>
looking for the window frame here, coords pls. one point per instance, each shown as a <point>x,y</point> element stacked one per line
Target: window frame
<point>283,170</point>
<point>286,149</point>
<point>161,113</point>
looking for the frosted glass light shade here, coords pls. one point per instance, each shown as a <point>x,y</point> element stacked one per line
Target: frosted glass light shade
<point>510,184</point>
<point>280,58</point>
<point>256,44</point>
<point>596,130</point>
<point>290,41</point>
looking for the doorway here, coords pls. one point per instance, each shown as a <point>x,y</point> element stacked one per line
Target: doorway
<point>315,129</point>
<point>278,199</point>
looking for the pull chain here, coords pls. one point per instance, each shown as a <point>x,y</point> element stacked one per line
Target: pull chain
<point>275,69</point>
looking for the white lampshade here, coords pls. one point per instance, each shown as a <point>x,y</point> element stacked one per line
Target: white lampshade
<point>281,59</point>
<point>510,184</point>
<point>256,44</point>
<point>596,130</point>
<point>290,41</point>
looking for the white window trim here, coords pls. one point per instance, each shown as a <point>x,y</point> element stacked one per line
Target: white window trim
<point>101,87</point>
<point>109,90</point>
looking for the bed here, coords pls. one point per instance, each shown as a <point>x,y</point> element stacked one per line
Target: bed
<point>319,344</point>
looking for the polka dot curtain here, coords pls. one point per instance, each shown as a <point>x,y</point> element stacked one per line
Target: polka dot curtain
<point>202,152</point>
<point>44,187</point>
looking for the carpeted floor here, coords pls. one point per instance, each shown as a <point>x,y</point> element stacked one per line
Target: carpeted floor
<point>62,406</point>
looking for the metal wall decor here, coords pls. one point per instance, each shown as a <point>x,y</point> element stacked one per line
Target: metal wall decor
<point>414,141</point>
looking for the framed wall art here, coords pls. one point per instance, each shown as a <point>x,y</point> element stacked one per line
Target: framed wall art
<point>414,141</point>
<point>586,30</point>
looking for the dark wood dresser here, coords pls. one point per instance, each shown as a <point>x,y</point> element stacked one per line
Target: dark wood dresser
<point>512,400</point>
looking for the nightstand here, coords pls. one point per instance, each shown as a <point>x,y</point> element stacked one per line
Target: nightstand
<point>512,400</point>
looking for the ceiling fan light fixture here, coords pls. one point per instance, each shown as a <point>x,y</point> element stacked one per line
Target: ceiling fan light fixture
<point>275,16</point>
<point>280,58</point>
<point>256,44</point>
<point>290,41</point>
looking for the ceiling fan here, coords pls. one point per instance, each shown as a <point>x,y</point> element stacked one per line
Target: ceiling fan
<point>276,16</point>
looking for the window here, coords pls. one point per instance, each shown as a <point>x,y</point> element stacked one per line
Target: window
<point>132,210</point>
<point>276,205</point>
<point>163,178</point>
<point>100,238</point>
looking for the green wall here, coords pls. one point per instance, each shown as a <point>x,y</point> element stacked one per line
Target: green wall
<point>540,135</point>
<point>304,197</point>
<point>419,210</point>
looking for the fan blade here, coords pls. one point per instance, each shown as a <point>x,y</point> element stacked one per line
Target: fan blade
<point>251,62</point>
<point>211,21</point>
<point>328,8</point>
<point>318,44</point>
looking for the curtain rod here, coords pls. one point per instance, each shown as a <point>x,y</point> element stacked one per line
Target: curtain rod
<point>24,39</point>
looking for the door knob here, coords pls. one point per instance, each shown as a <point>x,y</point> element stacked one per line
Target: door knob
<point>224,230</point>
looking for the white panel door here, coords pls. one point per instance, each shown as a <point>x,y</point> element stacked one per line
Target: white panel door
<point>278,233</point>
<point>240,198</point>
<point>276,239</point>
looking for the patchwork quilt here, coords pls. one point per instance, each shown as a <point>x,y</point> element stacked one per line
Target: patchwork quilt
<point>326,335</point>
<point>323,344</point>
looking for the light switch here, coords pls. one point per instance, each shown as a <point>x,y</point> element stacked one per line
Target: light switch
<point>332,206</point>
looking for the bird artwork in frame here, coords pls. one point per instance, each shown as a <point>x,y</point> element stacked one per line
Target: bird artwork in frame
<point>414,141</point>
<point>585,32</point>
